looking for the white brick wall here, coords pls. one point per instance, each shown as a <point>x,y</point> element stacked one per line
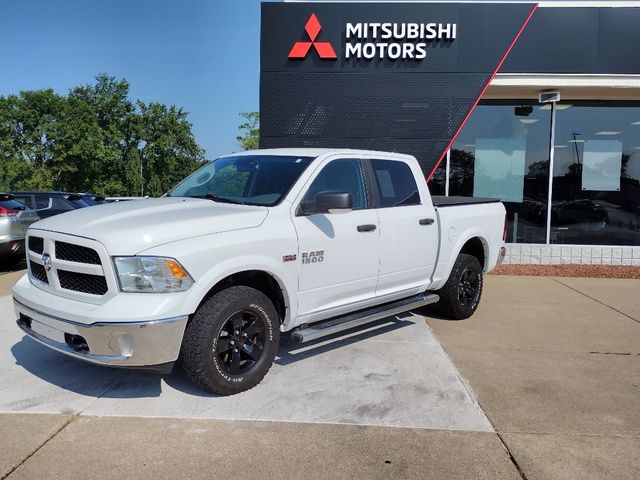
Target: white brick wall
<point>520,253</point>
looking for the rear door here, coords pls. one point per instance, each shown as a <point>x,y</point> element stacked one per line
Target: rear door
<point>408,227</point>
<point>337,252</point>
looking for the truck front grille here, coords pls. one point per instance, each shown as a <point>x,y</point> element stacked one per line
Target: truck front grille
<point>82,282</point>
<point>76,253</point>
<point>39,272</point>
<point>79,267</point>
<point>36,244</point>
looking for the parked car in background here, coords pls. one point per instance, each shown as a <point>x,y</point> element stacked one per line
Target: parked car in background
<point>92,199</point>
<point>48,204</point>
<point>14,220</point>
<point>582,214</point>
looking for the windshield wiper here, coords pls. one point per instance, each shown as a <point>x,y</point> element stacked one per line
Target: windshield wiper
<point>215,198</point>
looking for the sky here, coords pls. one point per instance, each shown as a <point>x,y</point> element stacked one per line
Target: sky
<point>201,55</point>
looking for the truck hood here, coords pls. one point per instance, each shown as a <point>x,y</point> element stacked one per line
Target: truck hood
<point>127,228</point>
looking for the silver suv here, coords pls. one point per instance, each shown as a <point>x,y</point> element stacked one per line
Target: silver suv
<point>14,220</point>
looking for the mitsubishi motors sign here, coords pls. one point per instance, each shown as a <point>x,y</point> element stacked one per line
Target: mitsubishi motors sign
<point>393,41</point>
<point>401,77</point>
<point>397,37</point>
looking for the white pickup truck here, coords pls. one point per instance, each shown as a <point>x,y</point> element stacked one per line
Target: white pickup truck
<point>252,245</point>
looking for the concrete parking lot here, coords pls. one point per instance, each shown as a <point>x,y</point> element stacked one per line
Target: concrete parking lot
<point>543,382</point>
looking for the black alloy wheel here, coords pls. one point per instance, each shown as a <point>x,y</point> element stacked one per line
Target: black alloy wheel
<point>460,295</point>
<point>241,341</point>
<point>468,287</point>
<point>230,343</point>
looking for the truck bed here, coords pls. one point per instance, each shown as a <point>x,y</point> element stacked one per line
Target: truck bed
<point>442,201</point>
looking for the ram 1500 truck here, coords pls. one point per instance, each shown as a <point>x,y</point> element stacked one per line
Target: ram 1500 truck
<point>250,246</point>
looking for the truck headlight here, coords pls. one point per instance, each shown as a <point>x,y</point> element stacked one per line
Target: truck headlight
<point>151,275</point>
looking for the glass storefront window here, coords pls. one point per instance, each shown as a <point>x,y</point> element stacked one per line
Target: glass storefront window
<point>503,152</point>
<point>596,174</point>
<point>438,179</point>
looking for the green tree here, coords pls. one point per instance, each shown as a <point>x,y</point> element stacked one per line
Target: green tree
<point>167,149</point>
<point>94,139</point>
<point>98,134</point>
<point>250,131</point>
<point>29,125</point>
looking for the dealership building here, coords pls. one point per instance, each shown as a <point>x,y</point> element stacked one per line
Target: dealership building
<point>534,103</point>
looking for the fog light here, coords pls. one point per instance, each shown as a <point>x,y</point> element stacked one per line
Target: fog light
<point>76,342</point>
<point>25,321</point>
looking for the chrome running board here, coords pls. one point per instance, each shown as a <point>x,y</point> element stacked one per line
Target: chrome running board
<point>333,325</point>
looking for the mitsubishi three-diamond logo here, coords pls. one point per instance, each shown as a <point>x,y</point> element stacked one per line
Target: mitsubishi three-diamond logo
<point>324,49</point>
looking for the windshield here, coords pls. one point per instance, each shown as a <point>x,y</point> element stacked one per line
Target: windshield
<point>247,179</point>
<point>92,200</point>
<point>78,203</point>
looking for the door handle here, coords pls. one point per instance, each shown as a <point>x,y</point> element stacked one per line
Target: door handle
<point>426,221</point>
<point>366,228</point>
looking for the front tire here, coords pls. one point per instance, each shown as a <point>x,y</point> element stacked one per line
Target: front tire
<point>231,342</point>
<point>460,296</point>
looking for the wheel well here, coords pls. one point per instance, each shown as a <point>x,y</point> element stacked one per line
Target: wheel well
<point>475,247</point>
<point>261,281</point>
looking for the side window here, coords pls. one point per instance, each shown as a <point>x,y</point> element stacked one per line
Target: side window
<point>396,184</point>
<point>343,175</point>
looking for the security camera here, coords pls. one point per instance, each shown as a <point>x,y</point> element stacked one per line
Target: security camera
<point>548,97</point>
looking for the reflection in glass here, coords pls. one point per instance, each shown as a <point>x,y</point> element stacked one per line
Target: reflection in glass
<point>438,179</point>
<point>503,152</point>
<point>596,177</point>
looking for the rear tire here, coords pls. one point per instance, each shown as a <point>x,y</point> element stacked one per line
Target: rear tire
<point>460,296</point>
<point>13,260</point>
<point>231,342</point>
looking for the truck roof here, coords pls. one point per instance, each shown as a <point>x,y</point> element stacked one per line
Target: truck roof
<point>314,152</point>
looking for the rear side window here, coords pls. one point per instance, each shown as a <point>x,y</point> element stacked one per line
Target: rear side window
<point>11,204</point>
<point>395,183</point>
<point>25,200</point>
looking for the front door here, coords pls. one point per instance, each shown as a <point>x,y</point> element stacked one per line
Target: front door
<point>338,253</point>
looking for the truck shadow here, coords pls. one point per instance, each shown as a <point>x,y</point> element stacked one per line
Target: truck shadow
<point>81,377</point>
<point>97,381</point>
<point>431,311</point>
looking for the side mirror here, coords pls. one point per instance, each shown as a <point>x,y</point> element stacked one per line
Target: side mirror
<point>328,202</point>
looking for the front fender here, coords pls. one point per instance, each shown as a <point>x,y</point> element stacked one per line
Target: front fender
<point>224,269</point>
<point>211,258</point>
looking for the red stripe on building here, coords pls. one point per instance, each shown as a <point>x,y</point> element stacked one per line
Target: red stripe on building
<point>484,89</point>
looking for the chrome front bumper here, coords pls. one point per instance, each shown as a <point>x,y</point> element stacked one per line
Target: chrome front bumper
<point>127,344</point>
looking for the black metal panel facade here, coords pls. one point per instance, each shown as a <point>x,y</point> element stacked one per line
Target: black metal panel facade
<point>408,106</point>
<point>578,40</point>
